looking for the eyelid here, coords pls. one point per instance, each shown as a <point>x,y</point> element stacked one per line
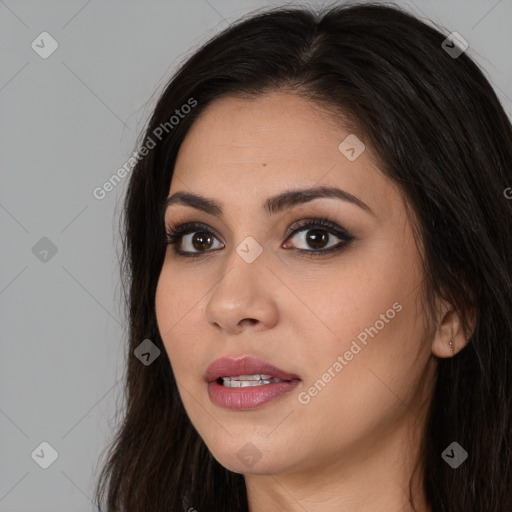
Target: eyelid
<point>179,230</point>
<point>323,222</point>
<point>185,226</point>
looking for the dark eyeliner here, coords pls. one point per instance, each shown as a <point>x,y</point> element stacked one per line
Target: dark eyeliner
<point>329,226</point>
<point>176,233</point>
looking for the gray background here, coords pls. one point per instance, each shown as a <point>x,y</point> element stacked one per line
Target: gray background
<point>68,123</point>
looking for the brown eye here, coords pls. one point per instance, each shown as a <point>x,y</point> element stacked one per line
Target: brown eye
<point>202,240</point>
<point>191,239</point>
<point>198,241</point>
<point>316,238</point>
<point>319,236</point>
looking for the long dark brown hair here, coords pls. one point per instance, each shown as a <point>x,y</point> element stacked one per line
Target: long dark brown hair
<point>440,133</point>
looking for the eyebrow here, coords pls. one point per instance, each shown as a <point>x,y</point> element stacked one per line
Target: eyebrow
<point>272,205</point>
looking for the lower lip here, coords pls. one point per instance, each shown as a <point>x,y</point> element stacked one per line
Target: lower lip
<point>249,397</point>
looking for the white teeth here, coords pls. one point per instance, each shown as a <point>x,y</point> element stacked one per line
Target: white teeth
<point>250,377</point>
<point>243,381</point>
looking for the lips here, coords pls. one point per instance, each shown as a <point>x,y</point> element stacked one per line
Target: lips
<point>229,367</point>
<point>255,383</point>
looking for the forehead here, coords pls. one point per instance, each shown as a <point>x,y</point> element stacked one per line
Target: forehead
<point>275,125</point>
<point>254,148</point>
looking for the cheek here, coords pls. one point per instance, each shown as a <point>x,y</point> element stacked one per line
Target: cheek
<point>371,318</point>
<point>177,297</point>
<point>166,305</point>
<point>177,311</point>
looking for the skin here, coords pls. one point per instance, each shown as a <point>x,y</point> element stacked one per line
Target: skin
<point>352,447</point>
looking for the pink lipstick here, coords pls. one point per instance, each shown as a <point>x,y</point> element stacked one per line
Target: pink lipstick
<point>247,383</point>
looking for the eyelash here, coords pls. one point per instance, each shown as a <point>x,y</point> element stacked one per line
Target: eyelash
<point>176,232</point>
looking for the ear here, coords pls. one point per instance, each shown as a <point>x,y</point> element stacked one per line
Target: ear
<point>450,327</point>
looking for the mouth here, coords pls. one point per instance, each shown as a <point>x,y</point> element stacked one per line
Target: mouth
<point>247,383</point>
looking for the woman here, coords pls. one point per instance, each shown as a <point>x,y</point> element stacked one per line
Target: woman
<point>318,259</point>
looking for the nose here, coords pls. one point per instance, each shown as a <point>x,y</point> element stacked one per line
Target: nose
<point>243,298</point>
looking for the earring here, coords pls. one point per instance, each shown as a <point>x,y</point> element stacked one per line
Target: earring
<point>452,342</point>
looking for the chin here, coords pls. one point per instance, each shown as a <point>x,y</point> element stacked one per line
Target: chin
<point>259,468</point>
<point>247,457</point>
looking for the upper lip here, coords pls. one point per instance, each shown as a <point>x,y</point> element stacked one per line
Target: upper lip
<point>230,367</point>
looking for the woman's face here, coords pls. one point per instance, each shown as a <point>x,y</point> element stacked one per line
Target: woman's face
<point>346,327</point>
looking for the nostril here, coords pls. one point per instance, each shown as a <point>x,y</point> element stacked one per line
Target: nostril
<point>250,320</point>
